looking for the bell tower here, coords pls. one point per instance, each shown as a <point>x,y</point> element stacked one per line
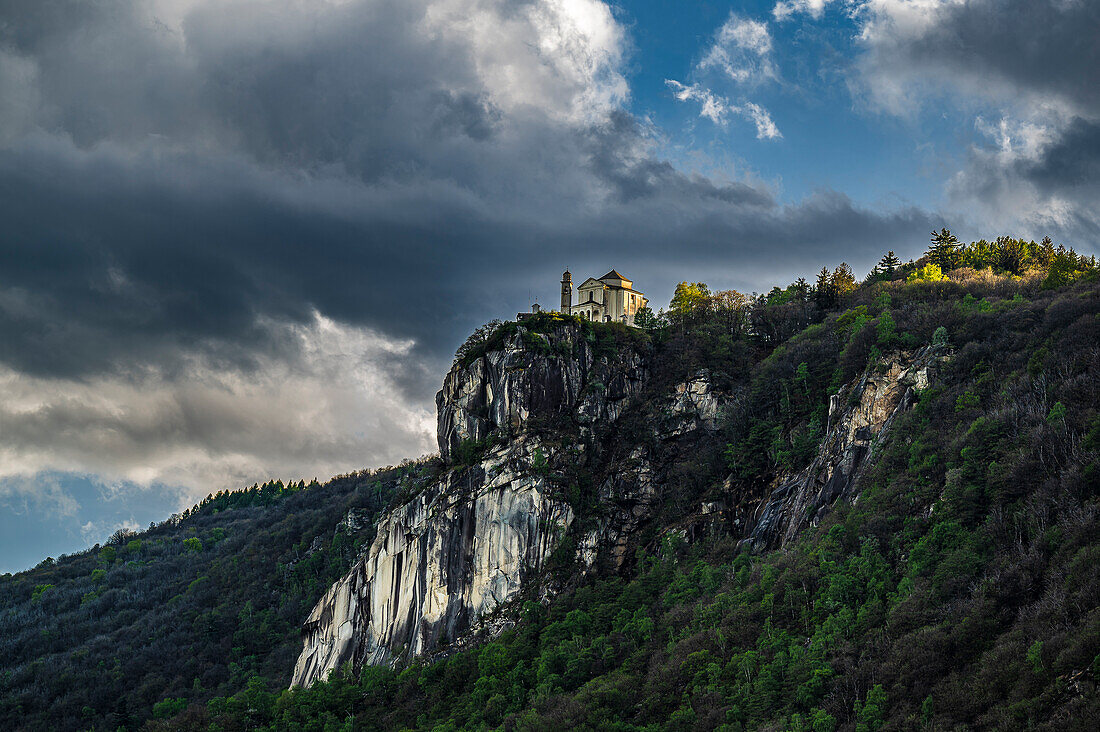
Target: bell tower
<point>566,292</point>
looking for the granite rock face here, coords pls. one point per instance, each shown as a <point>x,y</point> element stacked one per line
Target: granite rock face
<point>439,562</point>
<point>694,404</point>
<point>535,376</point>
<point>466,544</point>
<point>860,415</point>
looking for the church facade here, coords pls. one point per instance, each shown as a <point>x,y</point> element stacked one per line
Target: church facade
<point>609,299</point>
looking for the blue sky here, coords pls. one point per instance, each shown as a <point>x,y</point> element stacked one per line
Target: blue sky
<point>827,141</point>
<point>62,513</point>
<point>207,260</point>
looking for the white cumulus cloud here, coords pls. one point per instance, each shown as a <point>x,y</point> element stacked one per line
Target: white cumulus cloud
<point>742,50</point>
<point>718,109</point>
<point>1030,66</point>
<point>785,9</point>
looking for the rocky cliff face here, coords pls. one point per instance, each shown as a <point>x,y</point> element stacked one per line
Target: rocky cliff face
<point>467,544</point>
<point>534,376</point>
<point>530,419</point>
<point>859,416</point>
<point>449,556</point>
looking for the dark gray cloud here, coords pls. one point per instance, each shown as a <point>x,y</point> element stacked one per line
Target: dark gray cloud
<point>1034,51</point>
<point>1049,186</point>
<point>1030,71</point>
<point>191,190</point>
<point>1070,162</point>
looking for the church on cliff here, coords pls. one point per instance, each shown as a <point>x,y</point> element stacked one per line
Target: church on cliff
<point>609,299</point>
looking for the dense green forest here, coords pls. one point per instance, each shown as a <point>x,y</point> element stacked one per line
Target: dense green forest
<point>960,591</point>
<point>192,608</point>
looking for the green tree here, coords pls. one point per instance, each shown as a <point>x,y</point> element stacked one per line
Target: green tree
<point>869,715</point>
<point>1057,415</point>
<point>1044,253</point>
<point>1064,268</point>
<point>944,251</point>
<point>644,318</point>
<point>732,306</point>
<point>889,264</point>
<point>1012,255</point>
<point>193,544</point>
<point>475,343</point>
<point>843,281</point>
<point>689,298</point>
<point>886,328</point>
<point>927,711</point>
<point>1035,656</point>
<point>802,376</point>
<point>824,292</point>
<point>928,273</point>
<point>169,708</point>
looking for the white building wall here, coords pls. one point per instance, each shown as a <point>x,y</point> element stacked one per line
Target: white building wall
<point>614,303</point>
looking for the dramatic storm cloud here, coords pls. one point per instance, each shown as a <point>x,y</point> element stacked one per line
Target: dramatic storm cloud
<point>242,238</point>
<point>1030,70</point>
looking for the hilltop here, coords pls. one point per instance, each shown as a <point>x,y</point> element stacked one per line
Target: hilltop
<point>837,505</point>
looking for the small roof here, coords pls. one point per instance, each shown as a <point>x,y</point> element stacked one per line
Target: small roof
<point>613,275</point>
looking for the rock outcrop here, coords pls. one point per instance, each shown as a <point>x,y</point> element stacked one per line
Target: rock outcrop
<point>859,417</point>
<point>467,544</point>
<point>452,554</point>
<point>535,376</point>
<point>694,404</point>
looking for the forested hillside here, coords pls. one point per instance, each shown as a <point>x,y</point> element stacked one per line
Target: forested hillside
<point>198,606</point>
<point>957,586</point>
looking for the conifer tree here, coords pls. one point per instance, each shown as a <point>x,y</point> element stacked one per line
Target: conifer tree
<point>944,250</point>
<point>888,264</point>
<point>823,289</point>
<point>1012,255</point>
<point>1045,253</point>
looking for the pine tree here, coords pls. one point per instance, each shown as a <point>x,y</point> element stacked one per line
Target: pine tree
<point>1012,255</point>
<point>888,264</point>
<point>944,250</point>
<point>823,289</point>
<point>1045,252</point>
